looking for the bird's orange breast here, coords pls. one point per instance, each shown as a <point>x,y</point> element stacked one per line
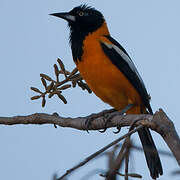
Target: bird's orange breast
<point>104,78</point>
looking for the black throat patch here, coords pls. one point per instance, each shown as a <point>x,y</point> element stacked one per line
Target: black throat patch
<point>78,32</point>
<point>76,41</point>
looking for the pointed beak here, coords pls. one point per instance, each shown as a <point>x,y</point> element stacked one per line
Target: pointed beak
<point>65,16</point>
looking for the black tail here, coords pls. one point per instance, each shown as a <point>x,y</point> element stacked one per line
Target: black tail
<point>151,153</point>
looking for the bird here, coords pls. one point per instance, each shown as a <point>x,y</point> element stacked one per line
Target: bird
<point>110,72</point>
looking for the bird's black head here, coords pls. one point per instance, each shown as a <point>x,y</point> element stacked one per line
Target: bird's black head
<point>82,19</point>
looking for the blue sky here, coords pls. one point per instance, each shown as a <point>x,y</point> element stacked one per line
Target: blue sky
<point>30,43</point>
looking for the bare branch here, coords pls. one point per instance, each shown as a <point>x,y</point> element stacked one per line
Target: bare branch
<point>124,152</point>
<point>165,127</point>
<point>159,123</point>
<point>79,122</point>
<point>139,148</point>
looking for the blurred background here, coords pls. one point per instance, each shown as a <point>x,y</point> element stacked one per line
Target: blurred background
<point>30,43</point>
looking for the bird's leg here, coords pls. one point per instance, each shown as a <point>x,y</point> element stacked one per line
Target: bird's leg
<point>109,117</point>
<point>92,117</point>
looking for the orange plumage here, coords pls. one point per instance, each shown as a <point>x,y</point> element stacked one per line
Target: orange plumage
<point>104,78</point>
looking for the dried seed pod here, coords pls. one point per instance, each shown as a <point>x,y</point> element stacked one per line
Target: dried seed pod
<point>43,101</point>
<point>44,82</point>
<point>76,77</point>
<point>46,77</point>
<point>35,97</point>
<point>74,83</point>
<point>75,70</point>
<point>61,65</point>
<point>36,90</point>
<point>64,87</point>
<point>61,97</point>
<point>80,84</point>
<point>51,94</point>
<point>56,70</point>
<point>87,88</point>
<point>61,72</point>
<point>67,72</point>
<point>50,87</point>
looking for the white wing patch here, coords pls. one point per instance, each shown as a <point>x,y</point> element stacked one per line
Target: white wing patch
<point>125,57</point>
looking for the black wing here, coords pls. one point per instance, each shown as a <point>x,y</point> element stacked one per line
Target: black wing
<point>119,57</point>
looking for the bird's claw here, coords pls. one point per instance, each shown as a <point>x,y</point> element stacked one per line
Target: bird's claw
<point>118,130</point>
<point>107,119</point>
<point>89,121</point>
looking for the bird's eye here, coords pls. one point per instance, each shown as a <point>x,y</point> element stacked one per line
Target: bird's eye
<point>81,13</point>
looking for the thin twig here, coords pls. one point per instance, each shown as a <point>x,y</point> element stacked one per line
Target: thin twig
<point>127,158</point>
<point>117,164</point>
<point>99,152</point>
<point>135,175</point>
<point>111,175</point>
<point>160,151</point>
